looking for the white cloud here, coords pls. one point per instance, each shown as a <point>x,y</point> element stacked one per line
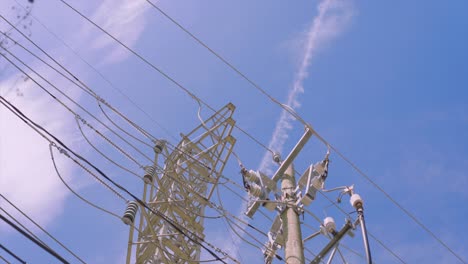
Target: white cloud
<point>27,176</point>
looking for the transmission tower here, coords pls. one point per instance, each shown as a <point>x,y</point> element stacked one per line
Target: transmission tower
<point>180,191</point>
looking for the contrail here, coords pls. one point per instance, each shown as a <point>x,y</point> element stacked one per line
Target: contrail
<point>332,18</point>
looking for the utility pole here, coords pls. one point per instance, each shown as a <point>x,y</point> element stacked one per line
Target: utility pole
<point>294,249</point>
<point>290,201</point>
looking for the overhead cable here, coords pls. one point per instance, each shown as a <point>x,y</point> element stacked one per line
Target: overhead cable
<point>189,234</point>
<point>32,239</point>
<point>299,118</point>
<point>179,85</point>
<point>43,229</point>
<point>12,254</point>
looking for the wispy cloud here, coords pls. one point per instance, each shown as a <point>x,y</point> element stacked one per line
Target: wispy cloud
<point>27,176</point>
<point>125,20</point>
<point>26,173</point>
<point>333,17</point>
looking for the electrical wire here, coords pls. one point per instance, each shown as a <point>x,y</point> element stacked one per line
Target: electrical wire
<point>72,190</point>
<point>287,108</point>
<point>32,239</point>
<point>44,230</point>
<point>12,254</point>
<point>80,83</point>
<point>4,260</point>
<point>110,142</point>
<point>21,225</point>
<point>299,118</point>
<point>189,234</point>
<point>394,254</point>
<point>104,155</point>
<point>151,65</point>
<point>68,108</point>
<point>84,88</point>
<point>100,74</point>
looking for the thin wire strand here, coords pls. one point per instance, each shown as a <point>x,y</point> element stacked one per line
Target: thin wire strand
<point>4,260</point>
<point>175,82</point>
<point>299,118</point>
<point>104,155</point>
<point>67,107</point>
<point>44,230</point>
<point>72,190</point>
<point>394,254</point>
<point>32,239</point>
<point>188,233</point>
<point>12,254</point>
<point>99,74</point>
<point>286,108</point>
<point>21,225</point>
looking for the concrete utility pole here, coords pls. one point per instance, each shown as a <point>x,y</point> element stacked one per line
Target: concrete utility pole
<point>294,249</point>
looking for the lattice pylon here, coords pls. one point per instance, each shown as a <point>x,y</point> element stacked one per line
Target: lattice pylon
<point>181,190</point>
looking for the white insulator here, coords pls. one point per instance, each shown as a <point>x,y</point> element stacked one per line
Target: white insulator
<point>329,224</point>
<point>356,201</point>
<point>256,190</point>
<point>252,176</point>
<point>149,174</point>
<point>130,213</point>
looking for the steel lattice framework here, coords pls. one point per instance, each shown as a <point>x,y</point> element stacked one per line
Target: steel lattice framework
<point>181,191</point>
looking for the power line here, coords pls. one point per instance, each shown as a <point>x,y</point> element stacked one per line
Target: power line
<point>297,116</point>
<point>12,254</point>
<point>69,98</point>
<point>67,108</point>
<point>286,108</point>
<point>394,254</point>
<point>72,190</point>
<point>86,123</point>
<point>21,225</point>
<point>32,239</point>
<point>196,239</point>
<point>179,85</point>
<point>87,90</point>
<point>4,260</point>
<point>43,230</point>
<point>100,74</point>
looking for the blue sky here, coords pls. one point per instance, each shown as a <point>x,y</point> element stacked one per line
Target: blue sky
<point>386,83</point>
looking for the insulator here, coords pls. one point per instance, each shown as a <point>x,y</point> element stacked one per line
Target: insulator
<point>130,213</point>
<point>356,201</point>
<point>149,174</point>
<point>252,176</point>
<point>276,157</point>
<point>256,190</point>
<point>158,146</point>
<point>329,224</point>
